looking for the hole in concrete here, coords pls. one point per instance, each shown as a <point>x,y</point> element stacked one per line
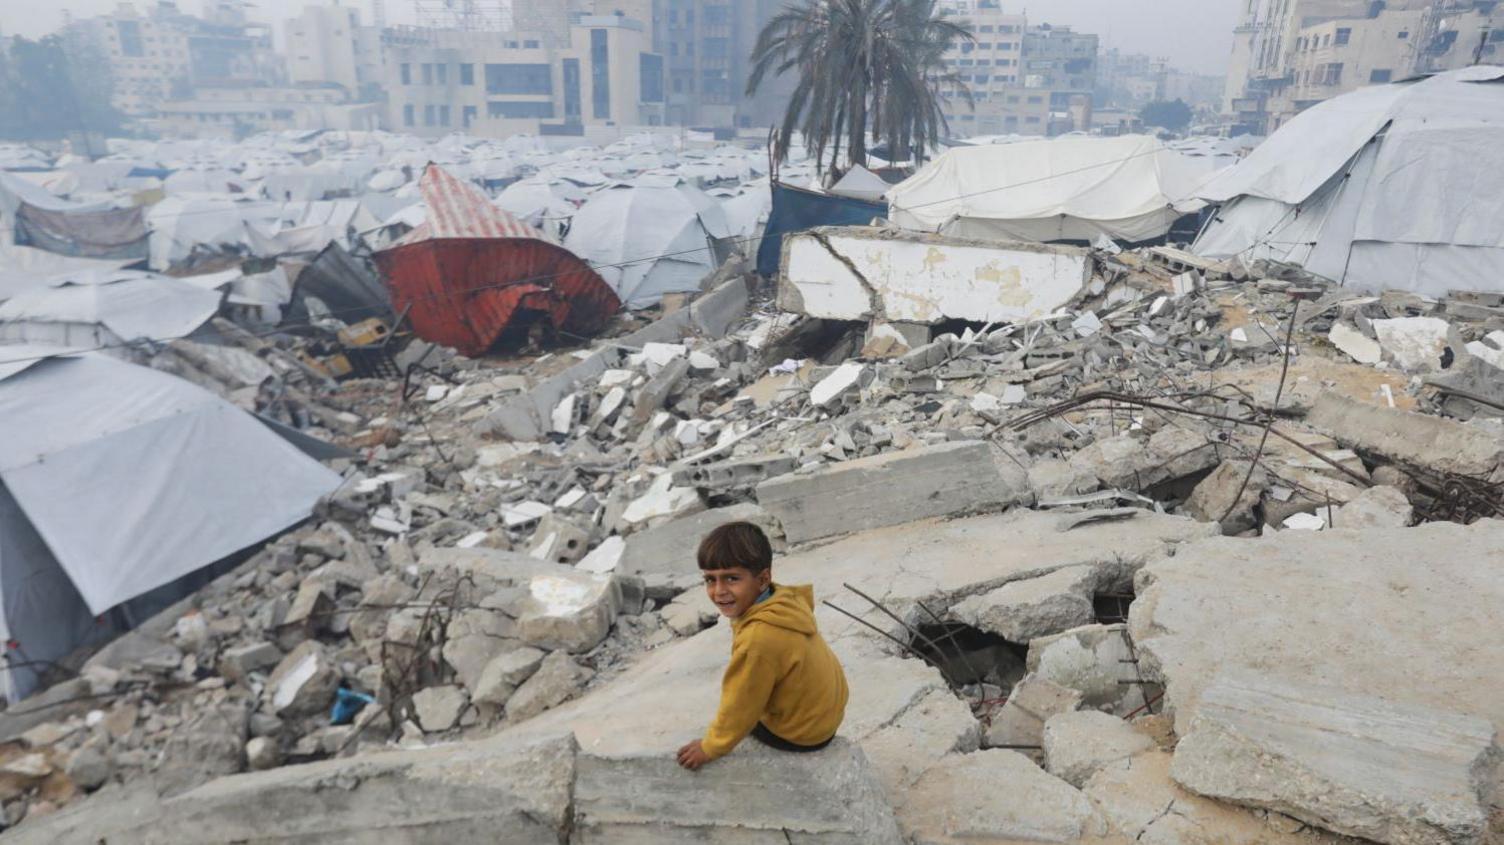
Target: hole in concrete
<point>969,657</point>
<point>1111,607</point>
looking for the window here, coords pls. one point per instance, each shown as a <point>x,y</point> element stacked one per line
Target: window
<point>1344,35</point>
<point>572,112</point>
<point>407,115</point>
<point>443,73</point>
<point>443,115</point>
<point>468,115</point>
<point>467,74</point>
<point>600,74</point>
<point>1326,40</point>
<point>1331,74</point>
<point>427,74</point>
<point>967,47</point>
<point>1402,34</point>
<point>1031,119</point>
<point>1382,75</point>
<point>519,110</point>
<point>430,114</point>
<point>1013,98</point>
<point>1005,45</point>
<point>1034,101</point>
<point>650,72</point>
<point>530,45</point>
<point>987,28</point>
<point>984,46</point>
<point>519,79</point>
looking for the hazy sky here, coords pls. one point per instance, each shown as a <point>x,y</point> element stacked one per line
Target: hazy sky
<point>1192,34</point>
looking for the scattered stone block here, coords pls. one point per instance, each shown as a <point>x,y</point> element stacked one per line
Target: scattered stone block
<point>557,679</point>
<point>262,753</point>
<point>945,480</point>
<point>571,610</point>
<point>996,796</point>
<point>303,682</point>
<point>504,674</point>
<point>237,663</point>
<point>89,768</point>
<point>1021,720</point>
<point>1019,611</point>
<point>1376,507</point>
<point>1213,497</point>
<point>1079,743</point>
<point>1352,764</point>
<point>438,708</point>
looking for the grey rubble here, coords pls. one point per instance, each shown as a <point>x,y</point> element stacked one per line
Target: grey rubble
<point>530,529</point>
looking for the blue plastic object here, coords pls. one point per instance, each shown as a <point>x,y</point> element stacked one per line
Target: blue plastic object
<point>347,703</point>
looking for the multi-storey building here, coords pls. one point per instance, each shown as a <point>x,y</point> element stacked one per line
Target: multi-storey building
<point>233,112</point>
<point>502,83</point>
<point>1291,54</point>
<point>162,53</point>
<point>328,45</point>
<point>1023,80</point>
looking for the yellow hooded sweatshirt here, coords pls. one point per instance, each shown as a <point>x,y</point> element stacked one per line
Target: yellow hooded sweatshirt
<point>781,673</point>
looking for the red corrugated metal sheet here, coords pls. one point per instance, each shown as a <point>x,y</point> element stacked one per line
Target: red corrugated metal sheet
<point>467,290</point>
<point>459,210</point>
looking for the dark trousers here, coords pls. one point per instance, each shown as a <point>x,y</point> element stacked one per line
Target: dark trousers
<point>772,740</point>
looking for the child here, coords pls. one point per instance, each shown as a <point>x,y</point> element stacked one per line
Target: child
<point>783,685</point>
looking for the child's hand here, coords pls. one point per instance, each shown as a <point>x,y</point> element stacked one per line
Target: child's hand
<point>692,756</point>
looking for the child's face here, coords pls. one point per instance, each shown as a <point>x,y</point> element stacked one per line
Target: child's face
<point>734,590</point>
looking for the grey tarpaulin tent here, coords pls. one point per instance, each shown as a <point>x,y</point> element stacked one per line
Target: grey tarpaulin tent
<point>116,480</point>
<point>346,285</point>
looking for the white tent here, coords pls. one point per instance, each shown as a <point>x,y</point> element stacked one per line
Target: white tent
<point>116,480</point>
<point>862,184</point>
<point>1397,187</point>
<point>1129,188</point>
<point>93,308</point>
<point>24,268</point>
<point>649,237</point>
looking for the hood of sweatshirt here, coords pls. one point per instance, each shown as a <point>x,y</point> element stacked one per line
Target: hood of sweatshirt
<point>791,607</point>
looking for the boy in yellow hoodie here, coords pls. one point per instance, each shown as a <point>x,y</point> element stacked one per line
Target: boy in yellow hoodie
<point>783,685</point>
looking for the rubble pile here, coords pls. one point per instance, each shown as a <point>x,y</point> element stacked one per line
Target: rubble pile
<point>467,577</point>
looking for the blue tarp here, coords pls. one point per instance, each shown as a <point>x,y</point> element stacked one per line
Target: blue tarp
<point>148,173</point>
<point>795,209</point>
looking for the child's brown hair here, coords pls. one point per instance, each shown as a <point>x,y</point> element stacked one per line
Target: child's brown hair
<point>736,545</point>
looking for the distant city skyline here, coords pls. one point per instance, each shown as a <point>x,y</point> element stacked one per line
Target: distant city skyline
<point>1194,35</point>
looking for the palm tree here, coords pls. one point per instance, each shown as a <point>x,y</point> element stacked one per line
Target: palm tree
<point>863,65</point>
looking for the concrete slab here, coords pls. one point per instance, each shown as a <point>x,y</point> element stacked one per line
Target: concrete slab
<point>996,797</point>
<point>1407,614</point>
<point>857,273</point>
<point>1436,443</point>
<point>950,479</point>
<point>1352,764</point>
<point>669,549</point>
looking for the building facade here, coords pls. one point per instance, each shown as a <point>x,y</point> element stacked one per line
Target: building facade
<point>1289,55</point>
<point>503,83</point>
<point>157,52</point>
<point>1022,80</point>
<point>235,112</point>
<point>328,45</point>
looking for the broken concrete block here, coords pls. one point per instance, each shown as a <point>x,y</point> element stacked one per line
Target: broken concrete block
<point>1079,743</point>
<point>262,753</point>
<point>1093,660</point>
<point>1414,344</point>
<point>888,489</point>
<point>846,378</point>
<point>950,806</point>
<point>735,474</point>
<point>603,558</point>
<point>557,679</point>
<point>1376,507</point>
<point>1352,764</point>
<point>924,357</point>
<point>303,682</point>
<point>885,341</point>
<point>1052,478</point>
<point>1021,610</point>
<point>1439,444</point>
<point>652,396</point>
<point>670,548</point>
<point>1357,345</point>
<point>689,614</point>
<point>89,768</point>
<point>1141,804</point>
<point>558,540</point>
<point>238,662</point>
<point>754,795</point>
<point>1213,496</point>
<point>937,725</point>
<point>662,500</point>
<point>208,746</point>
<point>570,610</point>
<point>438,708</point>
<point>1021,720</point>
<point>504,674</point>
<point>562,419</point>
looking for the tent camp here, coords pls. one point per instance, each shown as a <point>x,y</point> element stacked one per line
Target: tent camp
<point>471,272</point>
<point>1397,187</point>
<point>92,308</point>
<point>85,230</point>
<point>116,480</point>
<point>652,236</point>
<point>1129,188</point>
